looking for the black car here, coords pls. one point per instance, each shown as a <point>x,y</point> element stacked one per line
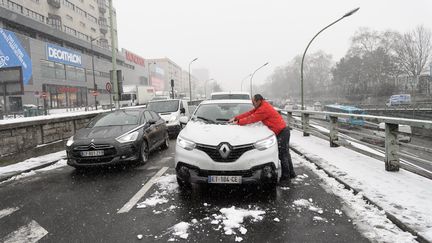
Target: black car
<point>126,135</point>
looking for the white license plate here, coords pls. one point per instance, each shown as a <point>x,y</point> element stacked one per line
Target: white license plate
<point>92,153</point>
<point>224,179</point>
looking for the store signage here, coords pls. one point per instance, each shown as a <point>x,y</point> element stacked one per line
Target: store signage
<point>62,55</point>
<point>13,54</point>
<point>67,90</point>
<point>134,58</point>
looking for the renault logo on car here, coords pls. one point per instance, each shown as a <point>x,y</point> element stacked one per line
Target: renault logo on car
<point>224,150</point>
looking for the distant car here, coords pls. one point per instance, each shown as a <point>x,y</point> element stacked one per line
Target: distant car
<point>404,132</point>
<point>121,136</point>
<point>236,95</point>
<point>160,98</point>
<point>171,111</point>
<point>400,99</point>
<point>209,150</point>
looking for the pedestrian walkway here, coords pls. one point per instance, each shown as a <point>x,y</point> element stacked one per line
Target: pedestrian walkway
<point>404,195</point>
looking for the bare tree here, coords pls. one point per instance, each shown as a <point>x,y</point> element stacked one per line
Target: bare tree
<point>413,51</point>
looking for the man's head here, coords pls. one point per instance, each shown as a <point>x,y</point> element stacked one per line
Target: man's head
<point>257,100</point>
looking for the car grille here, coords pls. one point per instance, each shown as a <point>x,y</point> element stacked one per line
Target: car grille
<point>236,152</point>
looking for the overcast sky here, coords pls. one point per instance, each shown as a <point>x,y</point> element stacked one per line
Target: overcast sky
<point>232,38</point>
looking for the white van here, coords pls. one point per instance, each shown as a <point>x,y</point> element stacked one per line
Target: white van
<point>231,95</point>
<point>171,111</point>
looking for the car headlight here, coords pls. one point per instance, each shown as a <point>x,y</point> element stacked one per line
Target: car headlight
<point>186,144</point>
<point>265,143</point>
<point>128,137</point>
<point>70,141</point>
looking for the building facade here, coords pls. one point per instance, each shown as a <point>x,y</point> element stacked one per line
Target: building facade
<point>162,70</point>
<point>53,44</point>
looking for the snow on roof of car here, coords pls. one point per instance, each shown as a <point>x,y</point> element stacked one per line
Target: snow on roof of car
<point>229,92</point>
<point>226,102</point>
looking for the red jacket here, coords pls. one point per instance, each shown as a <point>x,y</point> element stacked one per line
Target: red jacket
<point>266,114</point>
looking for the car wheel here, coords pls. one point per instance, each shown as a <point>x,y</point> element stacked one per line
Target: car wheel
<point>165,145</point>
<point>183,185</point>
<point>144,153</point>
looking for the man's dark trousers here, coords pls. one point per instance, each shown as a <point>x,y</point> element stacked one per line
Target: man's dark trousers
<point>284,155</point>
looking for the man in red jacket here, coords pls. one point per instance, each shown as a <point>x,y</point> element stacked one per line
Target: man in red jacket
<point>265,113</point>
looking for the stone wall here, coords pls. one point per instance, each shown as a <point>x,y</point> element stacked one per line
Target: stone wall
<point>19,141</point>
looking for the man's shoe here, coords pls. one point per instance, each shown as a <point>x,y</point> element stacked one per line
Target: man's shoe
<point>285,181</point>
<point>293,175</point>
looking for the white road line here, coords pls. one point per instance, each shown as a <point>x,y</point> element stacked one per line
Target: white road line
<point>30,233</point>
<point>7,211</point>
<point>134,200</point>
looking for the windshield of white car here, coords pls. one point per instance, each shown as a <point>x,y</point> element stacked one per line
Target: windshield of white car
<point>221,112</point>
<point>164,106</point>
<point>117,118</point>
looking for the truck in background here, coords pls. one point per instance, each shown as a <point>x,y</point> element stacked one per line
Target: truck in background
<point>136,95</point>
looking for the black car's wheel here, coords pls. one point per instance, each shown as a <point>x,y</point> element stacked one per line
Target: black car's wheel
<point>183,185</point>
<point>144,153</point>
<point>165,145</point>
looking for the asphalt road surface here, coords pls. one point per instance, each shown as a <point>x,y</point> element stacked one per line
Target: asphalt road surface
<point>64,205</point>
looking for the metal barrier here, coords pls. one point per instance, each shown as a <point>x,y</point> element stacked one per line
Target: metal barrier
<point>330,128</point>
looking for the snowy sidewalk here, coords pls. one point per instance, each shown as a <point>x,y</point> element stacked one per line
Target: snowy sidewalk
<point>9,171</point>
<point>405,195</point>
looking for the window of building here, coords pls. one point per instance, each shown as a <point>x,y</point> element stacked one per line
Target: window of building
<point>92,7</point>
<point>93,30</point>
<point>75,73</point>
<point>52,70</point>
<point>68,17</point>
<point>83,36</point>
<point>82,24</point>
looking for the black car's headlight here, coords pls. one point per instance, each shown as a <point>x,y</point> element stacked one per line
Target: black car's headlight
<point>70,141</point>
<point>128,137</point>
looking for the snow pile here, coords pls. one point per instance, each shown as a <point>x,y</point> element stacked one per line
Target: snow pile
<point>31,163</point>
<point>233,218</point>
<point>405,195</point>
<point>181,230</point>
<point>59,164</point>
<point>303,203</point>
<point>166,184</point>
<point>371,221</point>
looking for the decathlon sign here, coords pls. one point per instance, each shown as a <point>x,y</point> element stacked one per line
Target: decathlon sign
<point>66,56</point>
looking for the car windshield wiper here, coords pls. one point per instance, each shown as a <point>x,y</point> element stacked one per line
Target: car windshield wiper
<point>205,119</point>
<point>222,119</point>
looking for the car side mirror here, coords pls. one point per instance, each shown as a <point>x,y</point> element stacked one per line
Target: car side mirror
<point>184,120</point>
<point>151,121</point>
<point>182,111</point>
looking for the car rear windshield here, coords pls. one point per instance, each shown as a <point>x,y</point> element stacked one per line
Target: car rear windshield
<point>230,97</point>
<point>221,112</point>
<point>117,118</point>
<point>164,106</point>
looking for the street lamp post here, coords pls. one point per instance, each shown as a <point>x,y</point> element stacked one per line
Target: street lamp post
<point>265,64</point>
<point>304,54</point>
<point>190,85</point>
<point>93,68</point>
<point>241,87</point>
<point>148,70</point>
<point>205,87</point>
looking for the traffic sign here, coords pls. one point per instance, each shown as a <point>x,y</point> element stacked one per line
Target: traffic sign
<point>44,95</point>
<point>108,87</point>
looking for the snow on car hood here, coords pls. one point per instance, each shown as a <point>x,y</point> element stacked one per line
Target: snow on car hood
<point>214,134</point>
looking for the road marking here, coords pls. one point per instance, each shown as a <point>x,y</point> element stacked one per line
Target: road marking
<point>134,200</point>
<point>30,233</point>
<point>7,211</point>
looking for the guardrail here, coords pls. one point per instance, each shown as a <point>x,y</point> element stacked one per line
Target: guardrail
<point>337,136</point>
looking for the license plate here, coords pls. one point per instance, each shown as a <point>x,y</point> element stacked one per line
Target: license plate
<point>225,179</point>
<point>92,153</point>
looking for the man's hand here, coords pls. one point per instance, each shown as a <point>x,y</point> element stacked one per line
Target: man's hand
<point>232,120</point>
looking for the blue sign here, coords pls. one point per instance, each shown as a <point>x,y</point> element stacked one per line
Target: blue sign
<point>62,55</point>
<point>13,54</point>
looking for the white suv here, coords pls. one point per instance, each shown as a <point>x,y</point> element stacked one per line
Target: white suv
<point>211,151</point>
